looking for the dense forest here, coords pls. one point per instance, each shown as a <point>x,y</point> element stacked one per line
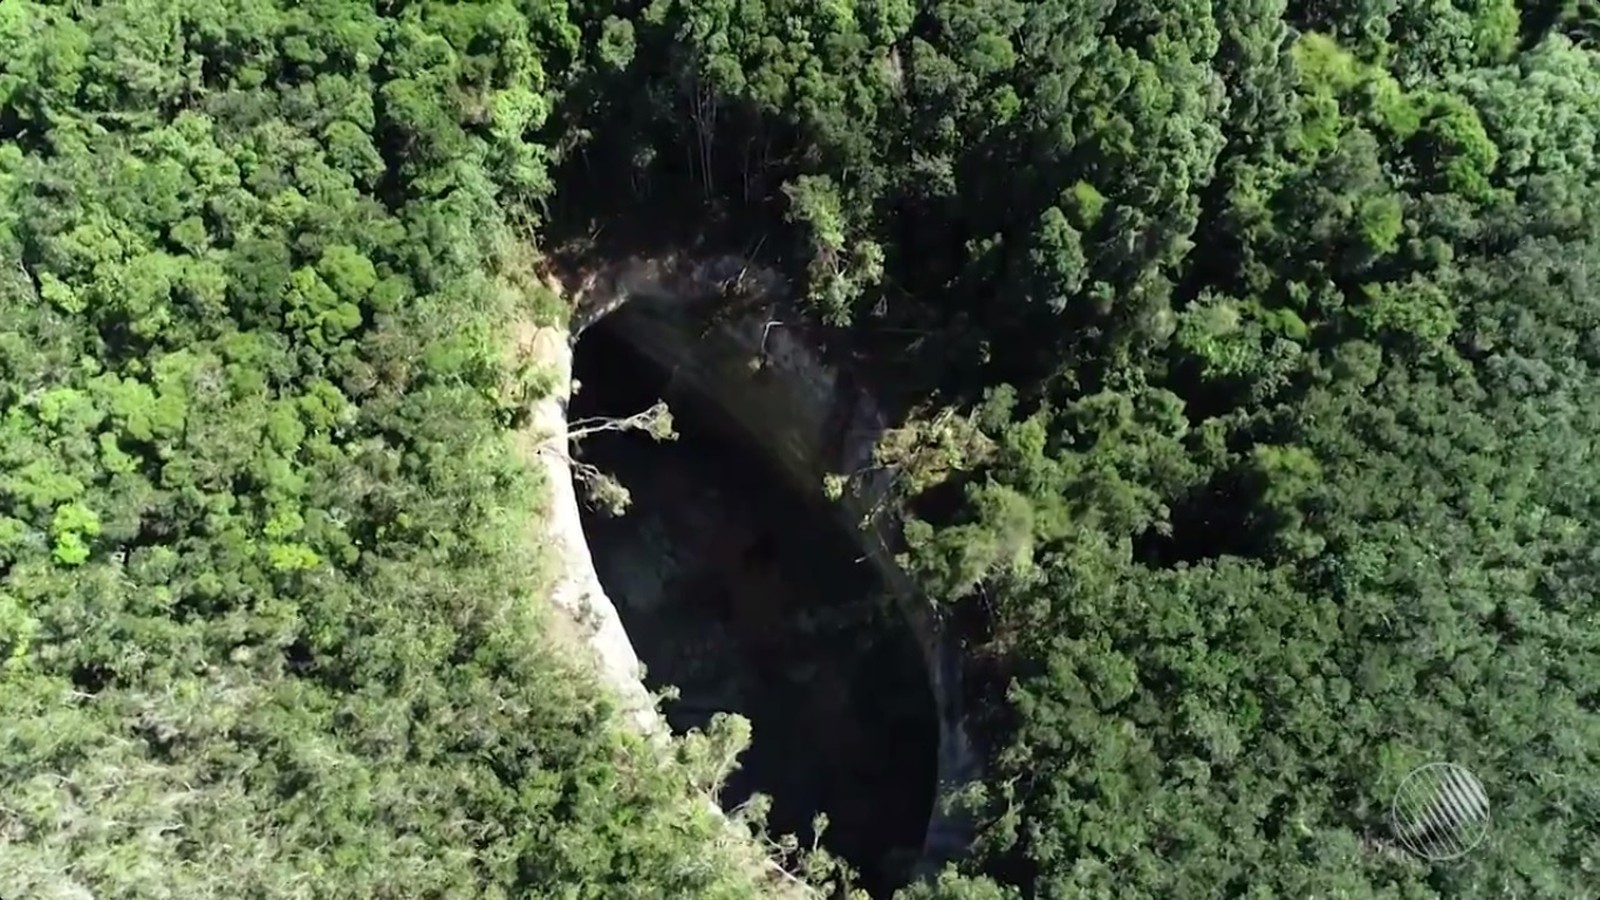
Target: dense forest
<point>1251,347</point>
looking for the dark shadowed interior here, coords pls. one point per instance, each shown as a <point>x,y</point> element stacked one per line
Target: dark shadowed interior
<point>750,598</point>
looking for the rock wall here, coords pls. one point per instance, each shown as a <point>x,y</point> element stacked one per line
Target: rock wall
<point>753,359</point>
<point>577,590</point>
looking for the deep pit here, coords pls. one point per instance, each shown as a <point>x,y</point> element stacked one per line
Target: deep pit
<point>748,597</point>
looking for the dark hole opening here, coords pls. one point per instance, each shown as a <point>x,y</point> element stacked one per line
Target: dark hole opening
<point>750,598</point>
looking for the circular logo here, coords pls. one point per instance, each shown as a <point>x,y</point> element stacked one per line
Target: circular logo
<point>1440,812</point>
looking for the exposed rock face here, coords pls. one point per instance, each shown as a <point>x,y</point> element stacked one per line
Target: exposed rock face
<point>577,590</point>
<point>752,359</point>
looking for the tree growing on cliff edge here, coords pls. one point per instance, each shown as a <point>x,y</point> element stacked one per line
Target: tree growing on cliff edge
<point>604,490</point>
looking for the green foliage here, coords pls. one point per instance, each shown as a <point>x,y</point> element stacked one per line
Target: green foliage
<point>266,626</point>
<point>1281,480</point>
<point>949,885</point>
<point>1291,483</point>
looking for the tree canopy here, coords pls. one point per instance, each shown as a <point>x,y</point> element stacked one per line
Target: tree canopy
<point>1278,329</point>
<point>1274,323</point>
<point>269,622</point>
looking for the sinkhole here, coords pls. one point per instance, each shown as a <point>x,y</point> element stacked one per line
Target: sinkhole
<point>750,597</point>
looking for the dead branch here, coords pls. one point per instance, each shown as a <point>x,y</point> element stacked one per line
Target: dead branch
<point>655,421</point>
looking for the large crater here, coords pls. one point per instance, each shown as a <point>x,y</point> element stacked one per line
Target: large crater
<point>747,597</point>
<point>734,580</point>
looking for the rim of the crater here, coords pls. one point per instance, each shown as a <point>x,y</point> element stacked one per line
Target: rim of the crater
<point>690,284</point>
